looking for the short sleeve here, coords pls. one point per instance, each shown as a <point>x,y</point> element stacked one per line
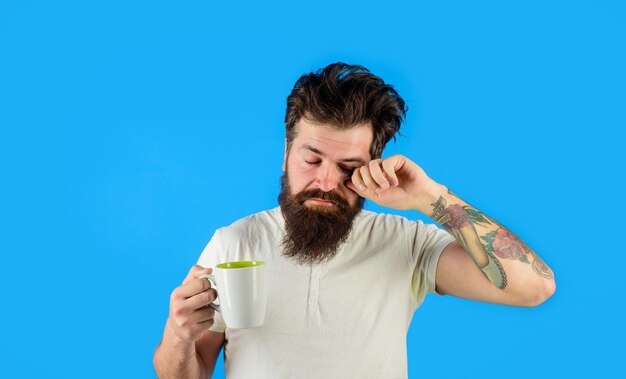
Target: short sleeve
<point>427,242</point>
<point>210,257</point>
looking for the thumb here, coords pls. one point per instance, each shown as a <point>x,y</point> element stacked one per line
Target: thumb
<point>362,193</point>
<point>195,273</point>
<point>353,188</point>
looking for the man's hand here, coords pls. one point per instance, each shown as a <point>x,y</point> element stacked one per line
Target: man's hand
<point>189,315</point>
<point>396,182</point>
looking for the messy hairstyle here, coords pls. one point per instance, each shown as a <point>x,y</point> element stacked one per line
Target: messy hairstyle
<point>343,96</point>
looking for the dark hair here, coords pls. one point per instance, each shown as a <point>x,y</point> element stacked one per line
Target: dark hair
<point>343,96</point>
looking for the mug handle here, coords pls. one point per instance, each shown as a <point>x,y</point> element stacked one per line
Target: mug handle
<point>211,278</point>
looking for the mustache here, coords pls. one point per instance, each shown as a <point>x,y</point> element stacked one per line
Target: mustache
<point>319,194</point>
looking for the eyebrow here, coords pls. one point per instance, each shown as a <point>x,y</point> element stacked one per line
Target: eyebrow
<point>317,151</point>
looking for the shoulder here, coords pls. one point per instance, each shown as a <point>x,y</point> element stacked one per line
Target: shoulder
<point>268,222</point>
<point>383,221</point>
<point>244,239</point>
<point>381,224</point>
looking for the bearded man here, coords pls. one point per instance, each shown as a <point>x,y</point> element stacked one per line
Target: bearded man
<point>343,283</point>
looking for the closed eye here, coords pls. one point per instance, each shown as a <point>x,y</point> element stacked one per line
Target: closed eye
<point>347,170</point>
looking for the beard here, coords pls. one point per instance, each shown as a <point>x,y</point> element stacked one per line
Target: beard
<point>314,234</point>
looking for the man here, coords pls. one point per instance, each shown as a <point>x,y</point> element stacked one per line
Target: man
<point>344,283</point>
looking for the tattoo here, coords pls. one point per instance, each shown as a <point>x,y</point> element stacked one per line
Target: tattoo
<point>540,267</point>
<point>507,245</point>
<point>438,214</point>
<point>488,248</point>
<point>456,220</point>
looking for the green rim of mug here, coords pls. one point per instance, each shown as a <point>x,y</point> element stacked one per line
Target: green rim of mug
<point>240,264</point>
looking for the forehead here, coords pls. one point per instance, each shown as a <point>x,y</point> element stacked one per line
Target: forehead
<point>339,144</point>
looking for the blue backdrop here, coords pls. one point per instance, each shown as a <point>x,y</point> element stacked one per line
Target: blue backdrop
<point>130,131</point>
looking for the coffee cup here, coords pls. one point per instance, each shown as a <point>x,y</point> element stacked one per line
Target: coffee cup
<point>242,292</point>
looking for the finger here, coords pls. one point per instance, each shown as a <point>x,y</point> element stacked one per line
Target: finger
<point>200,300</point>
<point>195,272</point>
<point>378,175</point>
<point>203,314</point>
<point>369,182</point>
<point>206,324</point>
<point>353,188</point>
<point>200,321</point>
<point>390,171</point>
<point>357,182</point>
<point>192,288</point>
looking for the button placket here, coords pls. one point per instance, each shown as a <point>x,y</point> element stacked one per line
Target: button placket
<point>313,310</point>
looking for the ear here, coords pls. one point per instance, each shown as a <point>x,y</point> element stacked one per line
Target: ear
<point>285,157</point>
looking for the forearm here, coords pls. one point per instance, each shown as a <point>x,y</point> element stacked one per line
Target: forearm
<point>175,358</point>
<point>505,260</point>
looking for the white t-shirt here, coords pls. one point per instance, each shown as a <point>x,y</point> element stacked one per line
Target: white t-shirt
<point>345,318</point>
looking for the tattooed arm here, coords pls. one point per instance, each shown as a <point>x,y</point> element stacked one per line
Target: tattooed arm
<point>487,263</point>
<point>517,275</point>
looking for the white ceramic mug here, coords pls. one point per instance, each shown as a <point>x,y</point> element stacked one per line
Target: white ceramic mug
<point>242,293</point>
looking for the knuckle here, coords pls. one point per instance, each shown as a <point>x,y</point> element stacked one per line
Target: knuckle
<point>174,295</point>
<point>180,324</point>
<point>178,313</point>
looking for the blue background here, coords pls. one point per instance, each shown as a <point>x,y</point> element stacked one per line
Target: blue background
<point>130,131</point>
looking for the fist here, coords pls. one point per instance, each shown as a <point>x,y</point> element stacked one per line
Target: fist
<point>395,182</point>
<point>190,316</point>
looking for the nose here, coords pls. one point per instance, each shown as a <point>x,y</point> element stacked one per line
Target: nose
<point>328,178</point>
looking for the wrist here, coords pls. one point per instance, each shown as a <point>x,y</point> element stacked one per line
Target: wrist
<point>426,203</point>
<point>176,343</point>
